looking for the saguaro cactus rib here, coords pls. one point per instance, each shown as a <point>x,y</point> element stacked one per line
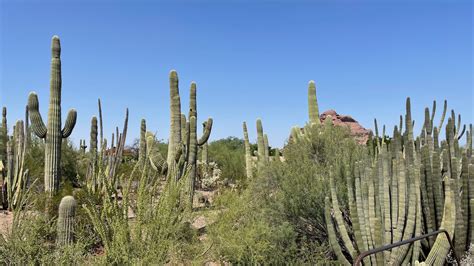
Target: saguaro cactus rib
<point>53,132</point>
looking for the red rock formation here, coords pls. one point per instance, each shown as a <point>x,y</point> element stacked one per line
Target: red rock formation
<point>360,133</point>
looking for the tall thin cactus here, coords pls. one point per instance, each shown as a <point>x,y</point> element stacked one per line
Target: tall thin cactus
<point>52,133</point>
<point>248,152</point>
<point>3,136</point>
<point>313,108</point>
<point>142,145</point>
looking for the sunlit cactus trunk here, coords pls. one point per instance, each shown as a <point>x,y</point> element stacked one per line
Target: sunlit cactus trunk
<point>52,133</point>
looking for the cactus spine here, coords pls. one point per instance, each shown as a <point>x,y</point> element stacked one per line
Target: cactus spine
<point>66,221</point>
<point>52,133</point>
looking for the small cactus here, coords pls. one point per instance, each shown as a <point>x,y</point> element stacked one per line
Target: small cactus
<point>66,221</point>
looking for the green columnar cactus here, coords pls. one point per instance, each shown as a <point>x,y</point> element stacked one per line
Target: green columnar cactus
<point>157,161</point>
<point>248,153</point>
<point>93,136</point>
<point>194,142</point>
<point>52,133</point>
<point>332,234</point>
<point>340,220</point>
<point>260,145</point>
<point>175,117</point>
<point>82,146</point>
<point>27,128</point>
<point>313,104</point>
<point>3,136</point>
<point>66,221</point>
<point>204,150</point>
<point>142,149</point>
<point>397,194</point>
<point>17,175</point>
<point>441,247</point>
<point>267,147</point>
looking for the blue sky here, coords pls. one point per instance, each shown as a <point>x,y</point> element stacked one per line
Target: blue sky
<point>250,60</point>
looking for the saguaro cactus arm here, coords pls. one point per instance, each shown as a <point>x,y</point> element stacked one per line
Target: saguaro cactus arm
<point>207,132</point>
<point>70,123</point>
<point>37,124</point>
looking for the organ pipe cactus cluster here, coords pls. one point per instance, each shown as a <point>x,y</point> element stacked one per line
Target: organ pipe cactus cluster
<point>52,133</point>
<point>406,188</point>
<point>66,221</point>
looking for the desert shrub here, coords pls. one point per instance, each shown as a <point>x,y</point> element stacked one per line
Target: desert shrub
<point>279,217</point>
<point>248,231</point>
<point>228,154</point>
<point>303,179</point>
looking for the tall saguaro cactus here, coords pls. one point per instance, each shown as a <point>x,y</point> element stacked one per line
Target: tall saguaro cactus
<point>313,104</point>
<point>175,118</point>
<point>52,133</point>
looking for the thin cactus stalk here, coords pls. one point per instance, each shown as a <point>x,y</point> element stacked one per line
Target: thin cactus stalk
<point>66,221</point>
<point>3,136</point>
<point>142,148</point>
<point>340,220</point>
<point>52,133</point>
<point>27,128</point>
<point>332,234</point>
<point>17,175</point>
<point>267,148</point>
<point>260,145</point>
<point>248,153</point>
<point>204,151</point>
<point>313,108</point>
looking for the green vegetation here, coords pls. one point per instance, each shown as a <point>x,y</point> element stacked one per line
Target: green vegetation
<point>321,199</point>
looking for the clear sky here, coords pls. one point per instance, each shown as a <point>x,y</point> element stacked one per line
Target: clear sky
<point>250,60</point>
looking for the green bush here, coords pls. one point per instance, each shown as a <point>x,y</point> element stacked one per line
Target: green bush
<point>229,155</point>
<point>279,217</point>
